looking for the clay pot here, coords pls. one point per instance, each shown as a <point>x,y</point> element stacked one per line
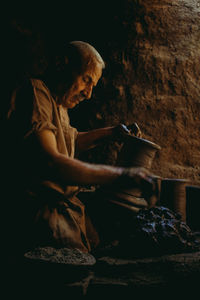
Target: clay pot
<point>124,198</point>
<point>173,195</point>
<point>137,152</point>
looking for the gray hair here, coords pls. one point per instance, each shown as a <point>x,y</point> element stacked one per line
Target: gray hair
<point>88,53</point>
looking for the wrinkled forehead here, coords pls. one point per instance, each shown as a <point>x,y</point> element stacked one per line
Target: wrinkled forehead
<point>94,71</point>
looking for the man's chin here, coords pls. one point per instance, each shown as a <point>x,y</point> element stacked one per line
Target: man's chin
<point>71,105</point>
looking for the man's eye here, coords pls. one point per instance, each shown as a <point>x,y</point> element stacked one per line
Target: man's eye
<point>86,79</point>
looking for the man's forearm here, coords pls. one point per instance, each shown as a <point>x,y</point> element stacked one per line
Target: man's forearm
<point>87,140</point>
<point>69,170</point>
<point>76,172</point>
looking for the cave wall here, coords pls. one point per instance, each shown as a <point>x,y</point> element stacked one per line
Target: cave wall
<point>152,54</point>
<point>153,79</point>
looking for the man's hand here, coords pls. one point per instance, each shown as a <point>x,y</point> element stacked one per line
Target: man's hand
<point>135,130</point>
<point>139,178</point>
<point>120,131</point>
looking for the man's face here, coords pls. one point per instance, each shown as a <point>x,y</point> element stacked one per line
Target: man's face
<point>82,87</point>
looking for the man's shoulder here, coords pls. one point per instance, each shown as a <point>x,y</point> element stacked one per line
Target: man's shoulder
<point>40,89</point>
<point>38,83</point>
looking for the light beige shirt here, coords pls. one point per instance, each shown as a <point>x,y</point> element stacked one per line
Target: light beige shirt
<point>54,211</point>
<point>48,115</point>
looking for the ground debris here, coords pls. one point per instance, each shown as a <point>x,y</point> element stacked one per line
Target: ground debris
<point>60,256</point>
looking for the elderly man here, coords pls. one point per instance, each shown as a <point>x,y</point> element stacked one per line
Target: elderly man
<point>43,176</point>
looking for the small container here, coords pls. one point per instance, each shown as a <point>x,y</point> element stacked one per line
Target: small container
<point>173,195</point>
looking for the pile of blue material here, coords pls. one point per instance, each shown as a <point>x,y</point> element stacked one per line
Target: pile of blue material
<point>158,231</point>
<point>153,232</point>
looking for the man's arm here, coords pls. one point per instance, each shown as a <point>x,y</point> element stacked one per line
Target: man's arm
<point>75,172</point>
<point>88,140</point>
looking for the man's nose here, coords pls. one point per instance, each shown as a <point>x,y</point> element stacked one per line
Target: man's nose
<point>88,91</point>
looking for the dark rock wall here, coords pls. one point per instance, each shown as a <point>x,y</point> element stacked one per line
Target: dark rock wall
<point>152,55</point>
<point>153,79</point>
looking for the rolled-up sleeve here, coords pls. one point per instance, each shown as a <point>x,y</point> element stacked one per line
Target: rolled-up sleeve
<point>42,110</point>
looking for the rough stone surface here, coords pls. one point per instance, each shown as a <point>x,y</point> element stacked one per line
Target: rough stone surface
<point>153,79</point>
